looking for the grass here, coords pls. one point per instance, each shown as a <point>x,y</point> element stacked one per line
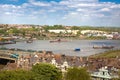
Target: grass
<point>107,54</point>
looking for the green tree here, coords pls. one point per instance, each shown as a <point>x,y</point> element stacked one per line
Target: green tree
<point>58,27</point>
<point>16,75</point>
<point>45,71</point>
<point>75,28</point>
<point>13,31</point>
<point>76,73</point>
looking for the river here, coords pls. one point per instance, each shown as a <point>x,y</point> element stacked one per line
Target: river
<point>67,48</point>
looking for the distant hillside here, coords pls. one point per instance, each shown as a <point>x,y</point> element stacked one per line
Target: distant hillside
<point>108,54</point>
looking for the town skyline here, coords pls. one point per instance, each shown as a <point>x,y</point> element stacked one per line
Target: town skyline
<point>63,12</point>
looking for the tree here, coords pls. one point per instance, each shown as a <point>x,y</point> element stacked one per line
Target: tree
<point>45,71</point>
<point>76,73</point>
<point>16,75</point>
<point>75,28</point>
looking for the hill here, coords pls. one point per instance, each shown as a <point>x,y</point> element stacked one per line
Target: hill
<point>107,54</point>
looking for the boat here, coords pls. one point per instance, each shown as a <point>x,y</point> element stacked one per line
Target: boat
<point>14,55</point>
<point>103,47</point>
<point>58,40</point>
<point>7,42</point>
<point>97,47</point>
<point>29,41</point>
<point>77,49</point>
<point>107,47</point>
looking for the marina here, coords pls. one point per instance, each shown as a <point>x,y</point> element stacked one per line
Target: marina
<point>67,48</point>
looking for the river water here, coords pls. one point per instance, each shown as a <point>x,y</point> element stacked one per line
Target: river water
<point>66,48</point>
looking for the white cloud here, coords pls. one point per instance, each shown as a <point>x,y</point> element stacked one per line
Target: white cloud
<point>115,6</point>
<point>7,13</point>
<point>81,10</point>
<point>8,6</point>
<point>39,3</point>
<point>71,12</point>
<point>105,9</point>
<point>52,10</point>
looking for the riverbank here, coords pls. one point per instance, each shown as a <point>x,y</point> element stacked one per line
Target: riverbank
<point>108,54</point>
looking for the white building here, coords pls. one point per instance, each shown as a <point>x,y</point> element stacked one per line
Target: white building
<point>92,32</point>
<point>109,36</point>
<point>64,31</point>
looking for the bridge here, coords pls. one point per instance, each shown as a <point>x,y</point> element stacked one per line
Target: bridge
<point>8,58</point>
<point>5,58</point>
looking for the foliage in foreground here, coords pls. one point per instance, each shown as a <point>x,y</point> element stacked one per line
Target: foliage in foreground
<point>16,75</point>
<point>45,71</point>
<point>42,71</point>
<point>76,73</point>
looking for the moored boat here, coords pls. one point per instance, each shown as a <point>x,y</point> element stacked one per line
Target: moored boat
<point>77,49</point>
<point>107,47</point>
<point>7,42</point>
<point>97,47</point>
<point>103,47</point>
<point>29,41</point>
<point>58,40</point>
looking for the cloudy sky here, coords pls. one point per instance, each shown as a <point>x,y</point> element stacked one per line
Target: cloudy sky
<point>64,12</point>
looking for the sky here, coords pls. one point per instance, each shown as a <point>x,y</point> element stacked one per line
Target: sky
<point>61,12</point>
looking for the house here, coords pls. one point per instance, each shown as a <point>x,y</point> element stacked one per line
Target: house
<point>109,36</point>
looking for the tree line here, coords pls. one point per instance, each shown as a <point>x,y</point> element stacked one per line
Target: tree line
<point>45,71</point>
